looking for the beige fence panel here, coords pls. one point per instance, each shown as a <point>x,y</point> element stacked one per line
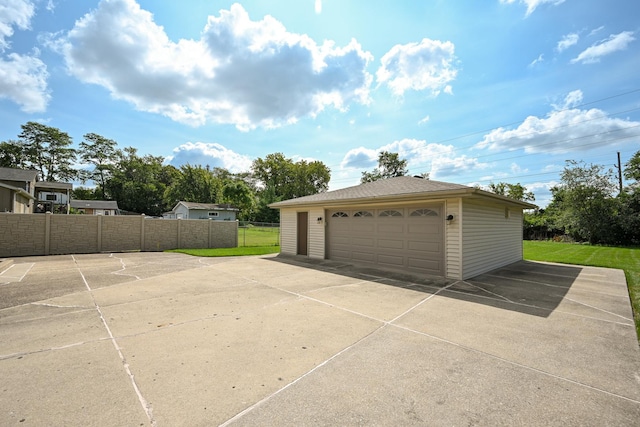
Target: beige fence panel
<point>47,234</point>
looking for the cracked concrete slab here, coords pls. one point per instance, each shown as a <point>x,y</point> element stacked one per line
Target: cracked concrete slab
<point>167,339</point>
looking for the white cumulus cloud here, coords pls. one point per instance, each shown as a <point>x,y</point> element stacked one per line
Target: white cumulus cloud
<point>16,13</point>
<point>438,159</point>
<point>24,81</point>
<point>209,153</point>
<point>613,43</point>
<point>428,65</point>
<point>533,4</point>
<point>23,77</point>
<point>563,130</point>
<point>241,72</point>
<point>567,41</point>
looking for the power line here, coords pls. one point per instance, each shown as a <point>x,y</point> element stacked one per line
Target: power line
<point>535,133</point>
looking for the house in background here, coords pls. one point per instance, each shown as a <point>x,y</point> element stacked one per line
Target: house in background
<point>96,207</point>
<point>53,197</point>
<point>192,210</point>
<point>17,190</point>
<point>407,224</point>
<point>21,193</point>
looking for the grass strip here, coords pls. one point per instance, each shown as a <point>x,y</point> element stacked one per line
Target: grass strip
<point>239,251</point>
<point>623,258</point>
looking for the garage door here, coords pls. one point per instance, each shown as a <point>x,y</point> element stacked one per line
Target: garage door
<point>409,239</point>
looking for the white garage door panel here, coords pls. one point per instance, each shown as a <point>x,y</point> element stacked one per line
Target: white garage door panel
<point>363,256</point>
<point>395,261</point>
<point>423,265</point>
<point>362,226</point>
<point>409,239</point>
<point>341,254</point>
<point>390,228</point>
<point>423,228</point>
<point>416,245</point>
<point>391,244</point>
<point>342,240</point>
<point>363,241</point>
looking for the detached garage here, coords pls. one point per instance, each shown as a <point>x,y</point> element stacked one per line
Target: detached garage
<point>408,224</point>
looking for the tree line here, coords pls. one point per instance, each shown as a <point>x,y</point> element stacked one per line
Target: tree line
<point>587,205</point>
<point>145,184</point>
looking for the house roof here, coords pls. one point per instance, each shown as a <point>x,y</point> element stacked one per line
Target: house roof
<point>49,185</point>
<point>206,206</point>
<point>402,188</point>
<point>12,174</point>
<point>94,204</point>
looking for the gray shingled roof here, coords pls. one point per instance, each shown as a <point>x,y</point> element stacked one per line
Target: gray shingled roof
<point>94,204</point>
<point>11,174</point>
<point>49,185</point>
<point>208,206</point>
<point>391,188</point>
<point>402,185</point>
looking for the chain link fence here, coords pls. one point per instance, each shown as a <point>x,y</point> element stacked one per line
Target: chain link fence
<point>258,233</point>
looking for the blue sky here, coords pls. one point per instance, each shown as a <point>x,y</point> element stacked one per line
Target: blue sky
<point>470,92</point>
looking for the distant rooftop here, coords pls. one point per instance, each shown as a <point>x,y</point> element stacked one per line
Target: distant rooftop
<point>11,174</point>
<point>94,204</point>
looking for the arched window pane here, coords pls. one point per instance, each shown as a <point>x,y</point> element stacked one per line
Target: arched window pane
<point>424,212</point>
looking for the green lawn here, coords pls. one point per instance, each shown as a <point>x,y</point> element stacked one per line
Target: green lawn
<point>251,241</point>
<point>258,236</point>
<point>239,251</point>
<point>627,259</point>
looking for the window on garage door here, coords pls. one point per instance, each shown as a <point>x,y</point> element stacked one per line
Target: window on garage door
<point>390,213</point>
<point>424,212</point>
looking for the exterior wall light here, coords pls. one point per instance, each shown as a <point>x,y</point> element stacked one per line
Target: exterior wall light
<point>449,217</point>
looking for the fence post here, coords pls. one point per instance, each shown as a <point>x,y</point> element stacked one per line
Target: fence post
<point>99,232</point>
<point>209,236</point>
<point>142,233</point>
<point>179,234</point>
<point>47,232</point>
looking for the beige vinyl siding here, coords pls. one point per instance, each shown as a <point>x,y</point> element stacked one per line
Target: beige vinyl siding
<point>288,232</point>
<point>453,238</point>
<point>288,241</point>
<point>489,239</point>
<point>316,233</point>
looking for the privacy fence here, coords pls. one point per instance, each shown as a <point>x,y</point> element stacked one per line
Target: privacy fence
<point>48,234</point>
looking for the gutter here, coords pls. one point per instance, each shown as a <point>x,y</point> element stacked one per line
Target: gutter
<point>18,190</point>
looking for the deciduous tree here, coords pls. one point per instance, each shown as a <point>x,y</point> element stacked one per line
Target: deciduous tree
<point>12,155</point>
<point>102,153</point>
<point>48,150</point>
<point>389,166</point>
<point>513,191</point>
<point>583,203</point>
<point>139,183</point>
<point>195,184</point>
<point>280,178</point>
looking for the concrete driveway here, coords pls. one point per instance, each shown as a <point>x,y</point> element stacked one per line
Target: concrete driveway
<point>171,340</point>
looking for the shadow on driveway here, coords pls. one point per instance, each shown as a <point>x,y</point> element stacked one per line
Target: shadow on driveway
<point>531,288</point>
